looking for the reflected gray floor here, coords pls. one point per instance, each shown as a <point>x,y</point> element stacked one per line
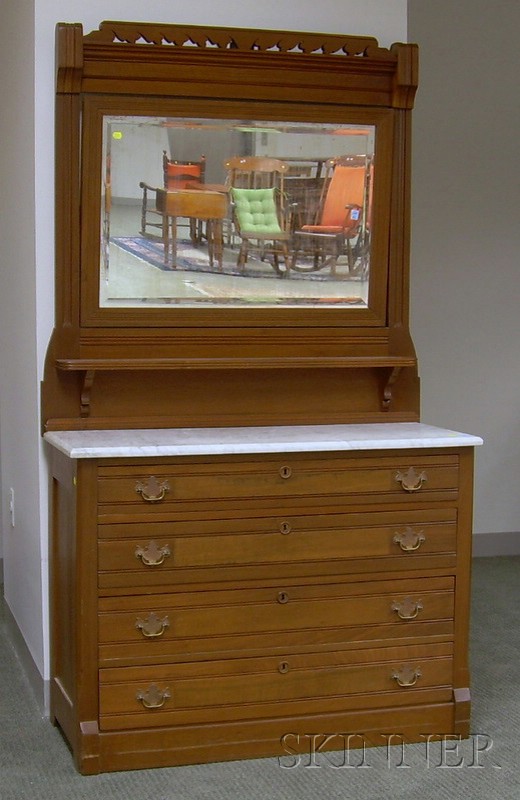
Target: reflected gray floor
<point>128,280</point>
<point>35,763</point>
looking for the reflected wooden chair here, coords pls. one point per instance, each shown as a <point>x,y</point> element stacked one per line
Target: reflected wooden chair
<point>177,175</point>
<point>340,226</point>
<point>303,186</point>
<point>259,214</point>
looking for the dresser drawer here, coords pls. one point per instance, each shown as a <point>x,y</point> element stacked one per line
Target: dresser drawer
<point>155,554</point>
<point>158,487</point>
<point>252,688</point>
<point>202,624</point>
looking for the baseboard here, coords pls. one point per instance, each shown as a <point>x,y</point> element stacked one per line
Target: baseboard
<point>496,544</point>
<point>38,685</point>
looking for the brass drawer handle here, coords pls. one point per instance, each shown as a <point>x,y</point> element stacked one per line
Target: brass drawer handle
<point>152,555</point>
<point>283,667</point>
<point>411,481</point>
<point>152,627</point>
<point>152,491</point>
<point>409,540</point>
<point>153,697</point>
<point>285,527</point>
<point>285,472</point>
<point>407,676</point>
<point>408,608</point>
<point>282,597</point>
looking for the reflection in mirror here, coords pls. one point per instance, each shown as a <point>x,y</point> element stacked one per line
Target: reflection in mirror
<point>220,212</point>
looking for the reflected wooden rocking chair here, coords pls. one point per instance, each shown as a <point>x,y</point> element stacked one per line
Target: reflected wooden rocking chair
<point>259,213</point>
<point>340,224</point>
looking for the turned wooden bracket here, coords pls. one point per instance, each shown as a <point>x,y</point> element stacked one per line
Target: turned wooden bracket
<point>86,391</point>
<point>388,390</point>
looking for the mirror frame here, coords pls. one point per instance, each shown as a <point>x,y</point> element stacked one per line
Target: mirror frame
<point>149,69</point>
<point>94,111</point>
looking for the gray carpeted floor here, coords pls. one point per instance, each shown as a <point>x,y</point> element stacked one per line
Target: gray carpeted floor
<point>35,763</point>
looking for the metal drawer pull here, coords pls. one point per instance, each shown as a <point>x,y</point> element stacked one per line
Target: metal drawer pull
<point>282,597</point>
<point>153,697</point>
<point>285,472</point>
<point>409,540</point>
<point>152,555</point>
<point>283,667</point>
<point>411,481</point>
<point>285,527</point>
<point>152,627</point>
<point>408,608</point>
<point>152,491</point>
<point>407,676</point>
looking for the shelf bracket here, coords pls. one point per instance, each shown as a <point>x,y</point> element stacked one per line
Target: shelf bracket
<point>387,391</point>
<point>86,391</point>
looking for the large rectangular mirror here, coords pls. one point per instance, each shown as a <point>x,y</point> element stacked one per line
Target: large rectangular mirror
<point>220,212</point>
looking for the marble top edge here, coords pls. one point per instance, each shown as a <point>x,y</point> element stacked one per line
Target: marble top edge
<point>243,440</point>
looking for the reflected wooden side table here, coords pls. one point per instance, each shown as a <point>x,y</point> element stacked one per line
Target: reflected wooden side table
<point>199,204</point>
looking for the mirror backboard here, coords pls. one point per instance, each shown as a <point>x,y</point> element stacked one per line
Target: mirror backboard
<point>232,212</point>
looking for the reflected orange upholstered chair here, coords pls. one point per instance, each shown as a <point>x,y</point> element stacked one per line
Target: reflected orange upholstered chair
<point>340,218</point>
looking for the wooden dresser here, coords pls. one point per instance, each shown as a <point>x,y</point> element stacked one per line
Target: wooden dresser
<point>223,592</point>
<point>229,593</point>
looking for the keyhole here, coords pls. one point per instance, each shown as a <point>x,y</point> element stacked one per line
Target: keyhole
<point>285,472</point>
<point>283,667</point>
<point>285,527</point>
<point>283,597</point>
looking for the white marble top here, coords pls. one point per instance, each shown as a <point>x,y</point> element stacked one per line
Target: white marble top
<point>279,439</point>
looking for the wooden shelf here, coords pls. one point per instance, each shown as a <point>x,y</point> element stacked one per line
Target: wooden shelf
<point>90,367</point>
<point>104,364</point>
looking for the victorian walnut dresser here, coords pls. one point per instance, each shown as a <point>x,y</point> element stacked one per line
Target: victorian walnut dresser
<point>246,586</point>
<point>255,540</point>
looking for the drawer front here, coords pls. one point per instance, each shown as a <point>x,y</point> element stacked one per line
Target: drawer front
<point>156,488</point>
<point>207,623</point>
<point>265,687</point>
<point>160,553</point>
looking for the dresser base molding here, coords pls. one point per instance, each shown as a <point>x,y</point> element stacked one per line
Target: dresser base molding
<point>223,597</point>
<point>292,740</point>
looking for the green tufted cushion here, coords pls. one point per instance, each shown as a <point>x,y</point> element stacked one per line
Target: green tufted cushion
<point>255,210</point>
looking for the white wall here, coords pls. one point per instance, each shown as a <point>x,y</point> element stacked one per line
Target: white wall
<point>19,367</point>
<point>466,236</point>
<point>27,243</point>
